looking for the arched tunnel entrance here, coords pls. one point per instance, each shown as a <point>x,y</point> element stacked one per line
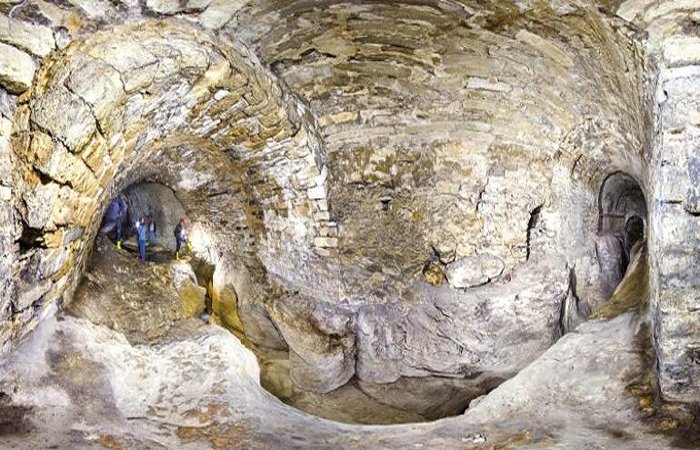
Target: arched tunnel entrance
<point>622,223</point>
<point>145,200</point>
<point>168,299</point>
<point>141,298</point>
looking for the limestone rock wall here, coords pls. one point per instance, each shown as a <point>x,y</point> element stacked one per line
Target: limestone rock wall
<point>151,100</point>
<point>10,229</point>
<point>391,190</point>
<point>445,127</point>
<point>674,47</point>
<point>465,143</point>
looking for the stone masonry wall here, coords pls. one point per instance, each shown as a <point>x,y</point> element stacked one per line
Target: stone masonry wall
<point>98,117</point>
<point>466,146</point>
<point>674,46</point>
<point>446,128</point>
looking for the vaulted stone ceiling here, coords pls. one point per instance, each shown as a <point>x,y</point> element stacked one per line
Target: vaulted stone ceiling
<point>394,191</point>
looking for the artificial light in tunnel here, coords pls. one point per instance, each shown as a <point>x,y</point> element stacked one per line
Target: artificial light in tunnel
<point>201,240</point>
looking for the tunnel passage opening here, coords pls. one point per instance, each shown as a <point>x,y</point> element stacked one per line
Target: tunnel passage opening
<point>154,202</point>
<point>622,219</point>
<point>143,298</point>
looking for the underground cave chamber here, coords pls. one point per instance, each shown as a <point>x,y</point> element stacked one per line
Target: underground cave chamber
<point>151,304</point>
<point>473,221</point>
<point>408,399</point>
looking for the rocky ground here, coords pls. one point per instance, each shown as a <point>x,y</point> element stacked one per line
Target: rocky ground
<point>77,384</point>
<point>74,384</point>
<point>347,404</point>
<point>158,301</point>
<point>142,301</point>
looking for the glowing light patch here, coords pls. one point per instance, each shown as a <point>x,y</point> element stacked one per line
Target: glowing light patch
<point>201,240</point>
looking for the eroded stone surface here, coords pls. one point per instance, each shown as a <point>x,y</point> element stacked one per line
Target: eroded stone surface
<point>17,69</point>
<point>321,343</point>
<point>333,154</point>
<point>109,391</point>
<point>672,41</point>
<point>142,301</point>
<point>474,271</point>
<point>35,39</point>
<point>65,116</point>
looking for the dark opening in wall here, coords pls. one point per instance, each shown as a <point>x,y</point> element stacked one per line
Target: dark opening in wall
<point>621,227</point>
<point>138,285</point>
<point>30,239</point>
<point>145,199</point>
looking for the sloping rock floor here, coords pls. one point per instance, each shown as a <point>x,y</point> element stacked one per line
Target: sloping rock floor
<point>76,384</point>
<point>142,301</point>
<point>145,301</point>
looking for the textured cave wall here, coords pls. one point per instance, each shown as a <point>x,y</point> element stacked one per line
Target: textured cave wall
<point>158,101</point>
<point>447,128</point>
<point>158,202</point>
<point>9,229</point>
<point>401,188</point>
<point>674,45</point>
<point>469,140</point>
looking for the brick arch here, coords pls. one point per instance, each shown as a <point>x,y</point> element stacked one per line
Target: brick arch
<point>112,103</point>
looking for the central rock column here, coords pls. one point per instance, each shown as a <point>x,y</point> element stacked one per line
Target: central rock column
<point>675,237</point>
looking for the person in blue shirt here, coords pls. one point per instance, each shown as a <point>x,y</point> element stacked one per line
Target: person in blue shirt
<point>142,232</point>
<point>114,218</point>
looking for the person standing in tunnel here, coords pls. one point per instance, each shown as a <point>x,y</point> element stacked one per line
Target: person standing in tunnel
<point>121,215</point>
<point>119,233</point>
<point>151,231</point>
<point>142,231</point>
<point>180,237</point>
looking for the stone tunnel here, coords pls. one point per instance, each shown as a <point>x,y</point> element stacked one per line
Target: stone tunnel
<point>413,224</point>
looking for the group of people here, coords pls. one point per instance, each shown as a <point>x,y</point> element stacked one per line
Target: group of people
<point>146,234</point>
<point>144,227</point>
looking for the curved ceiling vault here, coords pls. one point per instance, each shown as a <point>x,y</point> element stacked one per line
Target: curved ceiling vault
<point>163,101</point>
<point>409,185</point>
<point>383,160</point>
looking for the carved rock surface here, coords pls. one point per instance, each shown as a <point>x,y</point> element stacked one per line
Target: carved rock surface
<point>66,116</point>
<point>322,347</point>
<point>474,271</point>
<point>35,39</point>
<point>610,254</point>
<point>495,331</point>
<point>200,387</point>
